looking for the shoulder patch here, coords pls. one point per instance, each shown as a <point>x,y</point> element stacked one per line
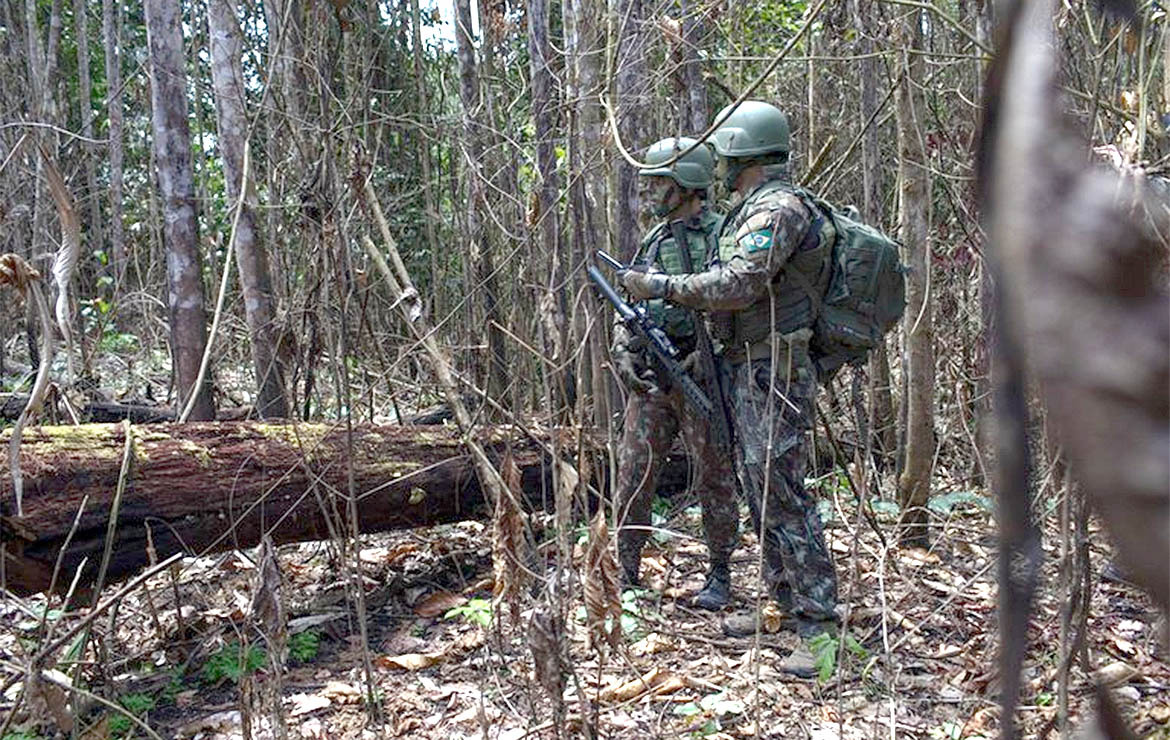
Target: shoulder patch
<point>756,241</point>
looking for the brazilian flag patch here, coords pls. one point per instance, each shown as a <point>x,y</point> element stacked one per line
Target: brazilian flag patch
<point>756,241</point>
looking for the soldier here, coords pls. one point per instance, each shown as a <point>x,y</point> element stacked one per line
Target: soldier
<point>655,411</point>
<point>773,262</point>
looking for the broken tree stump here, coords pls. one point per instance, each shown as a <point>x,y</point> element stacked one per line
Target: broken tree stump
<point>214,486</point>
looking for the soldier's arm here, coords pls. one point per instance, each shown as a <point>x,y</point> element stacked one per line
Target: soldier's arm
<point>763,245</point>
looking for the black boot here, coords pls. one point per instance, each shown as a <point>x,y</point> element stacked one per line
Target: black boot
<point>716,593</point>
<point>629,577</point>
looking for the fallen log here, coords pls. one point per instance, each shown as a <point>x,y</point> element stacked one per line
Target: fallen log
<point>206,487</point>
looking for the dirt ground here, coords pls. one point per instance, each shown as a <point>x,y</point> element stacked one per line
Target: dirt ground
<point>918,659</point>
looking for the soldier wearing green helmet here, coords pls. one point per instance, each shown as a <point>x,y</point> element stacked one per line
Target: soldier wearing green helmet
<point>773,259</point>
<point>656,413</point>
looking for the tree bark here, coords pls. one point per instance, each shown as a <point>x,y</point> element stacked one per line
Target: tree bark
<point>884,425</point>
<point>172,145</point>
<point>914,202</point>
<point>84,86</point>
<point>431,212</point>
<point>483,267</point>
<point>210,487</point>
<point>110,35</point>
<point>255,280</point>
<point>544,219</point>
<point>630,103</point>
<point>694,33</point>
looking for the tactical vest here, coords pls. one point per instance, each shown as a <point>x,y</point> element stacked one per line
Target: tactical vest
<point>787,307</point>
<point>659,249</point>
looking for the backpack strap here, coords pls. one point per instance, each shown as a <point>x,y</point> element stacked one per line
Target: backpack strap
<point>651,244</point>
<point>807,243</point>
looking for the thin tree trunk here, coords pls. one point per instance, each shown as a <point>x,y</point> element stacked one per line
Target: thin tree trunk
<point>694,33</point>
<point>431,213</point>
<point>255,281</point>
<point>914,202</point>
<point>84,85</point>
<point>172,145</point>
<point>884,426</point>
<point>483,268</point>
<point>110,36</point>
<point>544,218</point>
<point>630,102</point>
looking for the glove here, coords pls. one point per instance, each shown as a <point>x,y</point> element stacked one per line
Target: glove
<point>644,285</point>
<point>630,369</point>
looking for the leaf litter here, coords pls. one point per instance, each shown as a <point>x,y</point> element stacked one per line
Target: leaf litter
<point>923,620</point>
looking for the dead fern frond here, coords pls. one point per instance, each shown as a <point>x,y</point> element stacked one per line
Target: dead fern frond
<point>509,546</point>
<point>603,605</point>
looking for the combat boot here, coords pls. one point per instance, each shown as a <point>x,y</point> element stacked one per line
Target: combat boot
<point>716,593</point>
<point>629,576</point>
<point>801,662</point>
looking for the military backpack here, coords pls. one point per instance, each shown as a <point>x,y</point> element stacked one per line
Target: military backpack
<point>866,291</point>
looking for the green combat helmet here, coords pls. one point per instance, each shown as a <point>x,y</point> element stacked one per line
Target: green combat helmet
<point>694,171</point>
<point>753,129</point>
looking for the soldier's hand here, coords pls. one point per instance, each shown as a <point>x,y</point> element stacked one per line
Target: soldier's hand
<point>692,365</point>
<point>643,285</point>
<point>628,369</point>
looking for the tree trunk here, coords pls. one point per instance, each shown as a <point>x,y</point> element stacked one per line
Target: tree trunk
<point>431,212</point>
<point>631,94</point>
<point>694,34</point>
<point>84,85</point>
<point>914,202</point>
<point>483,267</point>
<point>544,220</point>
<point>884,424</point>
<point>110,34</point>
<point>172,145</point>
<point>217,486</point>
<point>252,255</point>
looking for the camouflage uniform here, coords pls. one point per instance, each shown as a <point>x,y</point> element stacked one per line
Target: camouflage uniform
<point>773,251</point>
<point>654,418</point>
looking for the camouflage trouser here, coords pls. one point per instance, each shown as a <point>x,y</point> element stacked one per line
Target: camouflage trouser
<point>651,423</point>
<point>773,411</point>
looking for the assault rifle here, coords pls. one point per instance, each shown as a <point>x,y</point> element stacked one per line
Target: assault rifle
<point>708,367</point>
<point>663,351</point>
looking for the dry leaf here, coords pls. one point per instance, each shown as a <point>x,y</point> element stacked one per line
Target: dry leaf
<point>1160,713</point>
<point>223,722</point>
<point>1125,647</point>
<point>656,679</point>
<point>653,643</point>
<point>918,556</point>
<point>46,699</point>
<point>509,546</point>
<point>772,618</point>
<point>602,600</point>
<point>387,555</point>
<point>671,29</point>
<point>438,603</point>
<point>306,703</point>
<point>409,661</point>
<point>341,692</point>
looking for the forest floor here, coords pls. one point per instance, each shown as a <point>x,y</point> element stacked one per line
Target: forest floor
<point>919,660</point>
